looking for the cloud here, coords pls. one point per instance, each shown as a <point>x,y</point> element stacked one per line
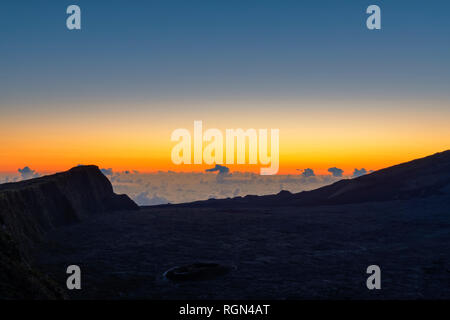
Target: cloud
<point>192,186</point>
<point>222,172</point>
<point>358,173</point>
<point>27,173</point>
<point>5,180</point>
<point>107,172</point>
<point>336,172</point>
<point>308,173</point>
<point>219,168</point>
<point>143,199</point>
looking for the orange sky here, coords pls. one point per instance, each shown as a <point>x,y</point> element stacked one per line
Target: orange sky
<point>137,137</point>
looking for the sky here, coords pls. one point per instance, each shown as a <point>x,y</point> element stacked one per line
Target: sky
<point>111,93</point>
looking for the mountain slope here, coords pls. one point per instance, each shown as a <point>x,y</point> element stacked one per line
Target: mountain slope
<point>418,178</point>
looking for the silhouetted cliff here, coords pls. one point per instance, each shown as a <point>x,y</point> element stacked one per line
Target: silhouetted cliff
<point>29,208</point>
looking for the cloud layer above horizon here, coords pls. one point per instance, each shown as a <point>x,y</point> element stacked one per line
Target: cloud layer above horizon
<point>217,182</point>
<point>171,187</point>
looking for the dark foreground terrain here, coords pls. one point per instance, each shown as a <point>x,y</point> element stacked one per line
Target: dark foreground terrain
<point>277,253</point>
<point>310,245</point>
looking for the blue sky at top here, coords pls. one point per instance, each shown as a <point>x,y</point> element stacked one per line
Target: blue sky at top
<point>223,49</point>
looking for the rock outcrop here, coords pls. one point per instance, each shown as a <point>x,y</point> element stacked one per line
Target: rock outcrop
<point>30,208</point>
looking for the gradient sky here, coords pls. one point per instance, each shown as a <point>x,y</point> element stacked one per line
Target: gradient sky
<point>112,93</point>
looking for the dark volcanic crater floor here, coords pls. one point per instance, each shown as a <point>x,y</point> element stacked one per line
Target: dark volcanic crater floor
<point>276,253</point>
